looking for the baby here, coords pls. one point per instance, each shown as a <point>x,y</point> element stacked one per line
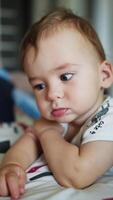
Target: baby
<point>66,66</point>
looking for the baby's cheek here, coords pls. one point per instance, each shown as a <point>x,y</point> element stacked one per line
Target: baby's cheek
<point>43,109</point>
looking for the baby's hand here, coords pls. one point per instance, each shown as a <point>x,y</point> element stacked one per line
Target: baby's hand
<point>12,180</point>
<point>42,126</point>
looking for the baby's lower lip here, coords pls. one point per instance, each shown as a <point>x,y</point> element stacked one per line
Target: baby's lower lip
<point>59,112</point>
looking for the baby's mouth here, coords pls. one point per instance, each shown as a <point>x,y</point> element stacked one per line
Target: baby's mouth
<point>59,112</point>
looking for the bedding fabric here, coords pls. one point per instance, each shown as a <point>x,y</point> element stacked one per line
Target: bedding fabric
<point>41,185</point>
<point>48,189</point>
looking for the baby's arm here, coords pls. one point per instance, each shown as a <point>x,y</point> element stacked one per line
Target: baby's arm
<point>14,164</point>
<point>73,166</point>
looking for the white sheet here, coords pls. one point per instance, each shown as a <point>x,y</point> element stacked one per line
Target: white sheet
<point>48,189</point>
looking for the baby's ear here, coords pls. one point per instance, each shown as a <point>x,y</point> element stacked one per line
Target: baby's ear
<point>106,74</point>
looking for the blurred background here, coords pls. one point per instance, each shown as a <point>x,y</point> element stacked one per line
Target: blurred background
<point>16,16</point>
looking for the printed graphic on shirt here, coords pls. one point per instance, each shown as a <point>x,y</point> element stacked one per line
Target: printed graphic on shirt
<point>97,121</point>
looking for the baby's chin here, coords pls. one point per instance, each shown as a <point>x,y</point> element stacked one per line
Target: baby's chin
<point>63,119</point>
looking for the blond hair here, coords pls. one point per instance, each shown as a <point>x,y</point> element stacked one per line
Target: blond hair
<point>56,20</point>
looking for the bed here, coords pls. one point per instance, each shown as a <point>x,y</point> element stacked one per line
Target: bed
<point>46,188</point>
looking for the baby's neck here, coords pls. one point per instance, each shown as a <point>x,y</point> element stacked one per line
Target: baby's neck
<point>91,112</point>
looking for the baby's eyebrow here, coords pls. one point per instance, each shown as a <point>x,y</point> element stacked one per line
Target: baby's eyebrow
<point>31,79</point>
<point>65,65</point>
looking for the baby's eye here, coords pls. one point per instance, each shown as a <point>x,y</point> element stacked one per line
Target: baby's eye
<point>40,86</point>
<point>66,76</point>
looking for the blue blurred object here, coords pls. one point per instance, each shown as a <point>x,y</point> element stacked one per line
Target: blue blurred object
<point>26,103</point>
<point>4,74</point>
<point>22,100</point>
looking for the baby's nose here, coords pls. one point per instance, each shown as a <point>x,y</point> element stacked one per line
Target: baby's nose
<point>55,93</point>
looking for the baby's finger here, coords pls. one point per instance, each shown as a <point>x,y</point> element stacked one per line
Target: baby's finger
<point>22,181</point>
<point>13,185</point>
<point>3,187</point>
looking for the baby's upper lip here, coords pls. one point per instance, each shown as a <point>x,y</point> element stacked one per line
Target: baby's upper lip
<point>60,108</point>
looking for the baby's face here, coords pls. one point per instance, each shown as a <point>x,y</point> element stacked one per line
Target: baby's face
<point>65,76</point>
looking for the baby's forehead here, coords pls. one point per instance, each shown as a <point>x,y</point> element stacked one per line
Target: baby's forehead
<point>60,38</point>
<point>61,34</point>
<point>64,38</point>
